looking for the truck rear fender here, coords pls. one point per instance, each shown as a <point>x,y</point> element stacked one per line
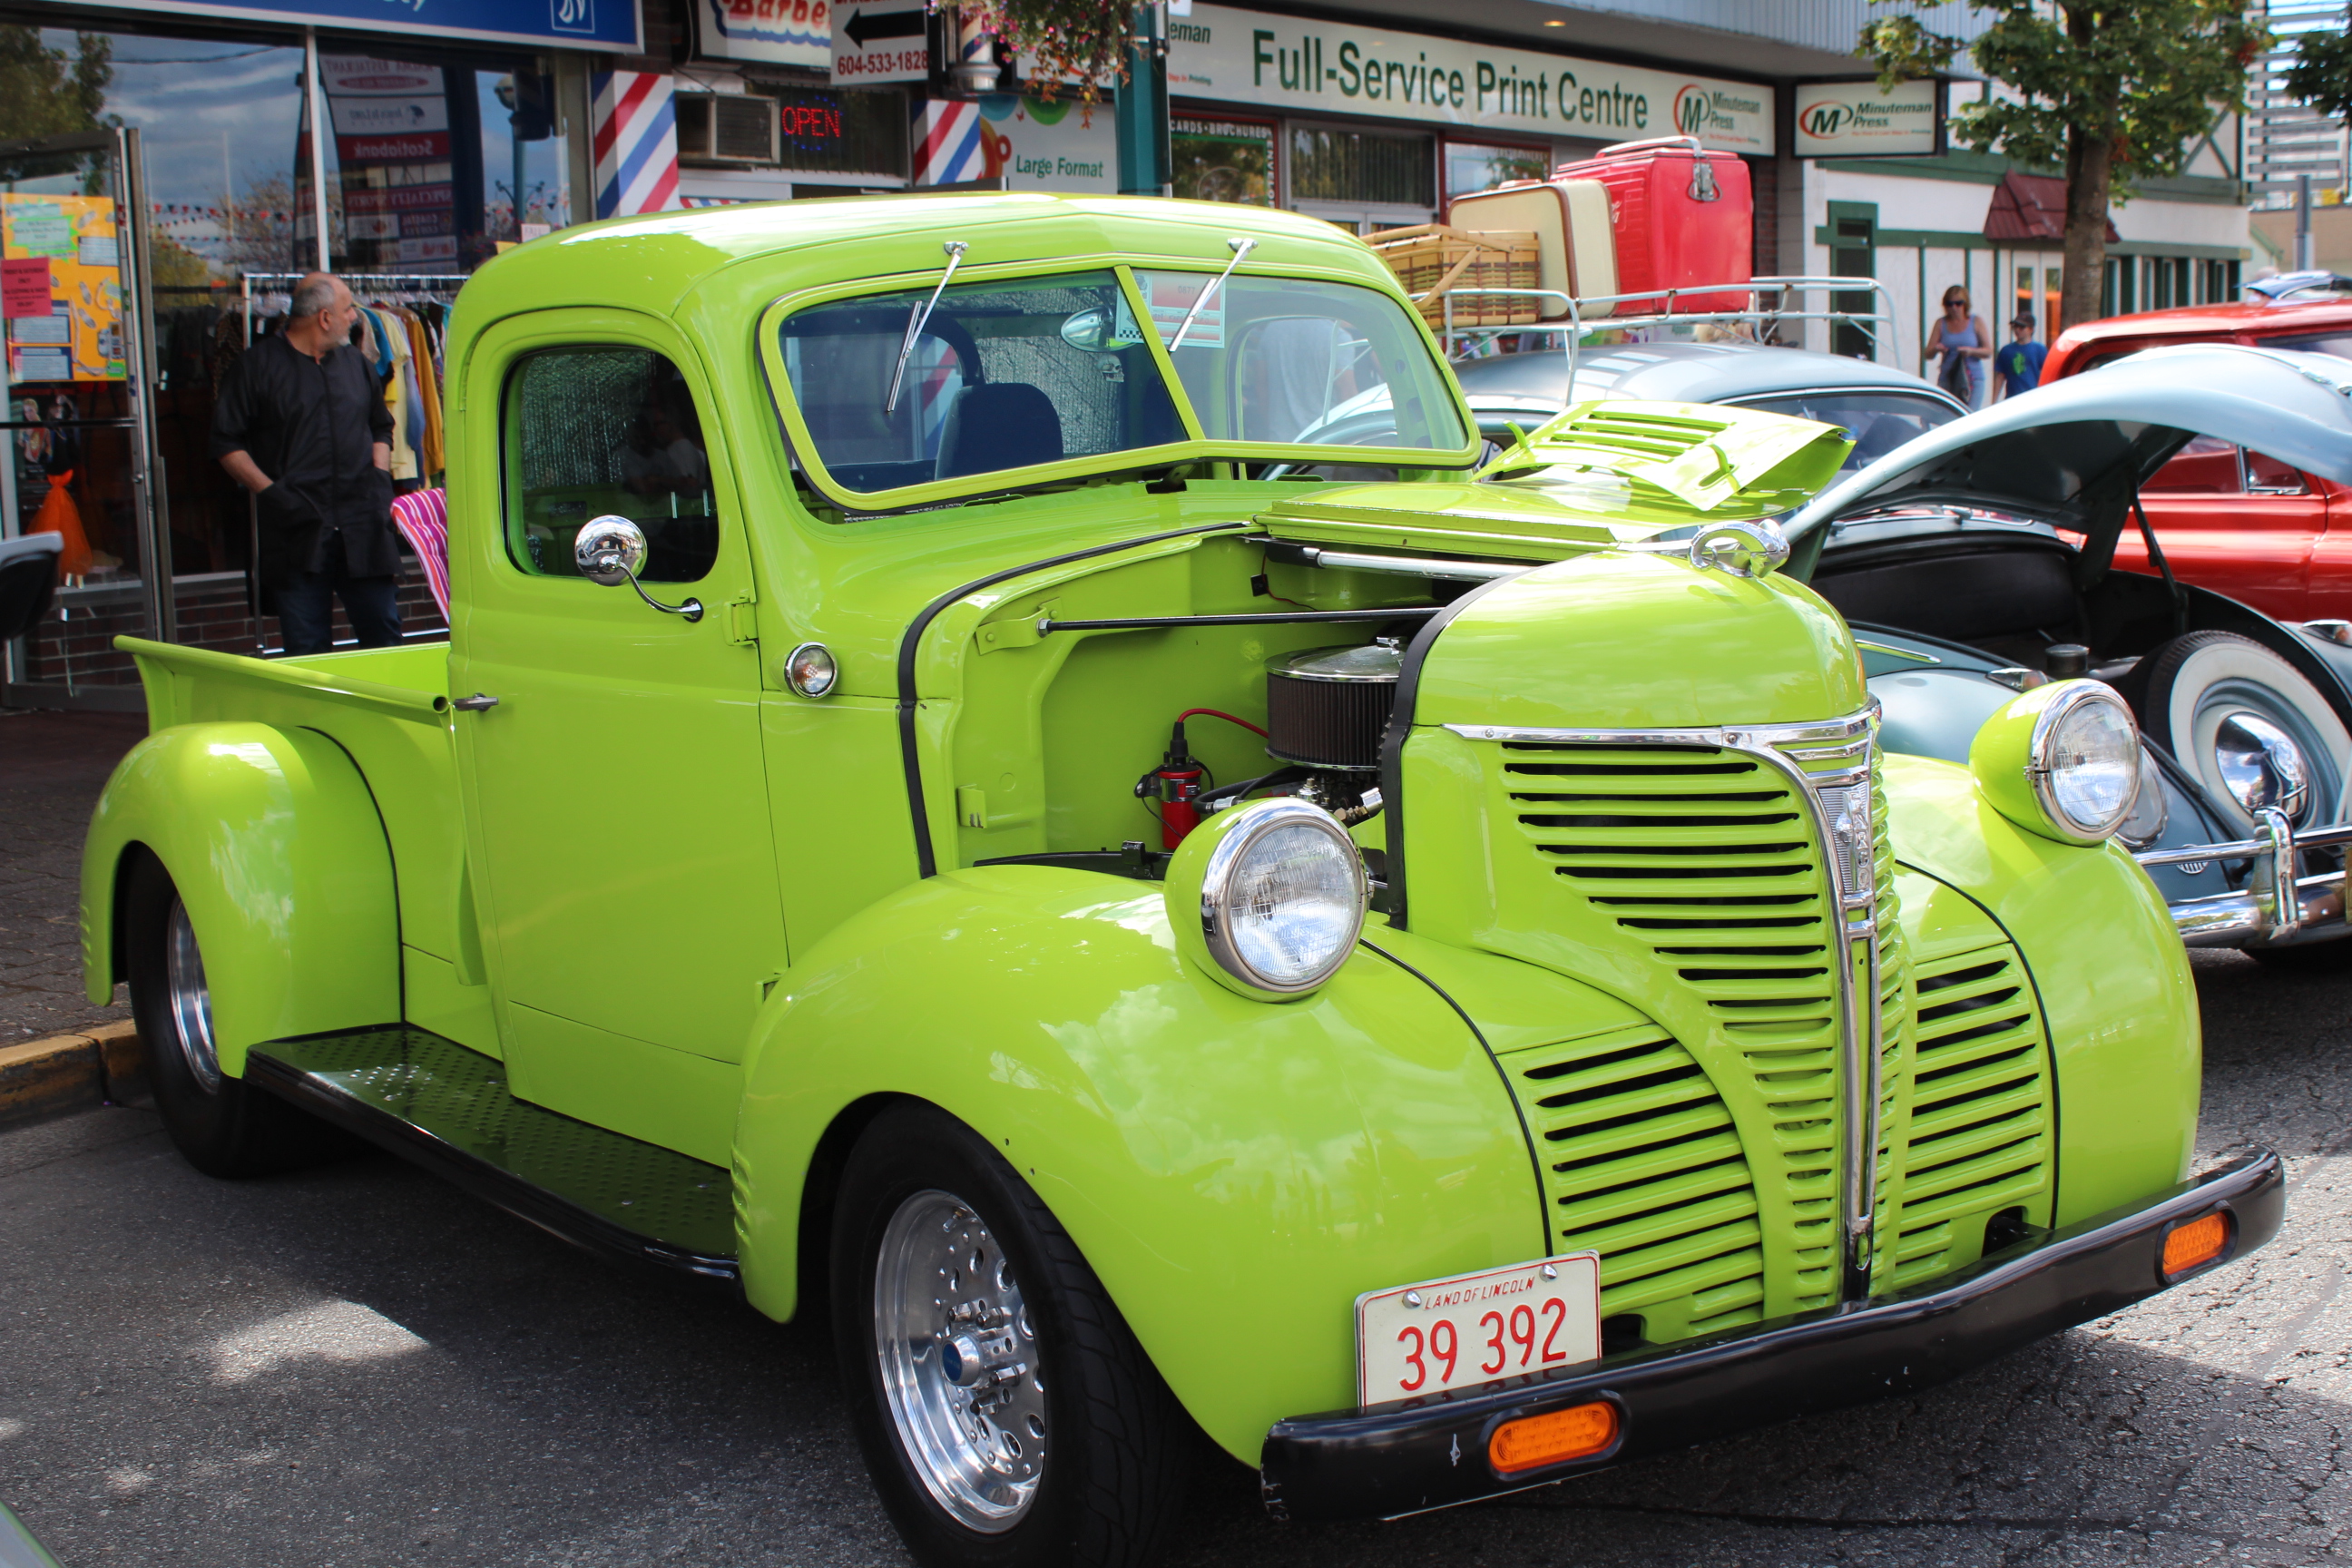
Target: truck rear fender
<point>276,848</point>
<point>1236,1172</point>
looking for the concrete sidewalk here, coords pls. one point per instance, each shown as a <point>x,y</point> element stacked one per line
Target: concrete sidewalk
<point>52,766</point>
<point>56,1052</point>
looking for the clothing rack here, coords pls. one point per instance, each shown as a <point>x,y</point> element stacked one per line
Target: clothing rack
<point>437,284</point>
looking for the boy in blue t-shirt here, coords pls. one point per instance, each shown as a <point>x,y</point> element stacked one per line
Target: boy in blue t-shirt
<point>2020,358</point>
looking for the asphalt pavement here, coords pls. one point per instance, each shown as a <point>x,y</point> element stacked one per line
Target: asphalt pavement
<point>358,1366</point>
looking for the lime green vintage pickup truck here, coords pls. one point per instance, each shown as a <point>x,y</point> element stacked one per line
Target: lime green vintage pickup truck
<point>911,822</point>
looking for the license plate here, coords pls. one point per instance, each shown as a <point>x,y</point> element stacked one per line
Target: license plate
<point>1477,1328</point>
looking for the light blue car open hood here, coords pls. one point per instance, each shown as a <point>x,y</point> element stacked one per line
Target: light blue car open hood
<point>2075,452</point>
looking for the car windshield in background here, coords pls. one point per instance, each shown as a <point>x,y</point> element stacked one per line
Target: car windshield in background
<point>2337,343</point>
<point>1273,359</point>
<point>1003,375</point>
<point>1878,421</point>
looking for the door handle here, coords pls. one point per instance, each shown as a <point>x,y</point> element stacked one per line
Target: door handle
<point>477,703</point>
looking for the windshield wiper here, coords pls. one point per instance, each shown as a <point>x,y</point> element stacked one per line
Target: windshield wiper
<point>919,317</point>
<point>1240,248</point>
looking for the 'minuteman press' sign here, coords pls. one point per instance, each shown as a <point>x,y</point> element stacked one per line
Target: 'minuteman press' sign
<point>1854,119</point>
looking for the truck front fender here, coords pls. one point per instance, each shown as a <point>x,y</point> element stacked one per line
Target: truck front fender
<point>277,850</point>
<point>2112,979</point>
<point>1236,1172</point>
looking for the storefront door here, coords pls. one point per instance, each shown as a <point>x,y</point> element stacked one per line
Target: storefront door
<point>75,386</point>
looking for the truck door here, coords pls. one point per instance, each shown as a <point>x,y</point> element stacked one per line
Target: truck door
<point>616,794</point>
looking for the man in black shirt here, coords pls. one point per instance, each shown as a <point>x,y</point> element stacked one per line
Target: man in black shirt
<point>301,423</point>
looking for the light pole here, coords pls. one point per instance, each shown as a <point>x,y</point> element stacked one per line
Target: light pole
<point>1140,115</point>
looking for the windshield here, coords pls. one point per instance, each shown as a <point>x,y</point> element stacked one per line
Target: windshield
<point>994,381</point>
<point>1279,360</point>
<point>1029,372</point>
<point>1878,421</point>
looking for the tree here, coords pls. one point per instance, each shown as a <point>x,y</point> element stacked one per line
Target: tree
<point>2107,92</point>
<point>2322,73</point>
<point>39,96</point>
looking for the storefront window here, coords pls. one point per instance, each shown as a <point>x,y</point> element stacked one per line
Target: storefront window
<point>433,162</point>
<point>1471,167</point>
<point>1223,159</point>
<point>1372,167</point>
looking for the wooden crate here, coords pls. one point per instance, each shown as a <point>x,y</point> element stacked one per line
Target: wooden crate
<point>1434,262</point>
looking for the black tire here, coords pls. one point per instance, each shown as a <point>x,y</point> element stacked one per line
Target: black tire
<point>223,1126</point>
<point>1111,1448</point>
<point>2195,683</point>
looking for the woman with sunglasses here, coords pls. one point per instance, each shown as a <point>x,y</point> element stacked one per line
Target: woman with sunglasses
<point>1962,339</point>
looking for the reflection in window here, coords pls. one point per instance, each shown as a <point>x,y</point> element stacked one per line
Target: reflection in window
<point>1281,359</point>
<point>1005,376</point>
<point>606,430</point>
<point>1471,167</point>
<point>1365,166</point>
<point>2208,466</point>
<point>1878,421</point>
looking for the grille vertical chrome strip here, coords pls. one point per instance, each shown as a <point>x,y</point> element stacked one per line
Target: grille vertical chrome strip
<point>1848,840</point>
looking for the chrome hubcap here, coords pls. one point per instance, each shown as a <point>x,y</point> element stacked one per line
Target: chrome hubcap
<point>2261,765</point>
<point>190,1000</point>
<point>959,1362</point>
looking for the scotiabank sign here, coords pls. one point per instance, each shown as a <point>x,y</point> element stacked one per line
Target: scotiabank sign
<point>1306,66</point>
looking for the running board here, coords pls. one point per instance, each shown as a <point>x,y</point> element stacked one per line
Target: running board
<point>447,1107</point>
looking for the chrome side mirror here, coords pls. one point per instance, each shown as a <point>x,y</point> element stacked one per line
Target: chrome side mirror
<point>1087,331</point>
<point>612,550</point>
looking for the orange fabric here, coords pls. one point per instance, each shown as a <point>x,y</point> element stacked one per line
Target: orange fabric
<point>60,515</point>
<point>420,348</point>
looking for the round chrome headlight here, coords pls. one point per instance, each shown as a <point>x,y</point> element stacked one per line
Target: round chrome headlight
<point>2084,761</point>
<point>1281,895</point>
<point>2151,812</point>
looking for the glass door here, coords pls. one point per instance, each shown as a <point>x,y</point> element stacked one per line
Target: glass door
<point>79,420</point>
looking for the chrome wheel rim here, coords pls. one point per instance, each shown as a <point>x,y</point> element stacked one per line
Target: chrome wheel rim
<point>959,1363</point>
<point>190,1001</point>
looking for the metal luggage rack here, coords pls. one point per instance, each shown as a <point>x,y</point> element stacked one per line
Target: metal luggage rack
<point>1877,324</point>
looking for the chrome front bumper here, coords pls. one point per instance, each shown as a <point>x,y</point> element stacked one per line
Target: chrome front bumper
<point>2255,915</point>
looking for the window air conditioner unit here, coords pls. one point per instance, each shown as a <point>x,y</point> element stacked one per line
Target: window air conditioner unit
<point>726,128</point>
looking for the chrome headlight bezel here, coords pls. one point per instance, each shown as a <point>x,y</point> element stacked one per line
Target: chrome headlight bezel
<point>1234,838</point>
<point>2044,776</point>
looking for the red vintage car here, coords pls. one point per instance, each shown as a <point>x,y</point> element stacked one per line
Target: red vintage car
<point>2228,518</point>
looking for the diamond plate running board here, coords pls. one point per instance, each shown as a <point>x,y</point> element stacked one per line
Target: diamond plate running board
<point>446,1108</point>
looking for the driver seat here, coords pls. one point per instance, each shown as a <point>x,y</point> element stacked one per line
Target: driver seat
<point>998,424</point>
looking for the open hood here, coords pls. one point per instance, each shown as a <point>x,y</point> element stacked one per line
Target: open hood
<point>2075,452</point>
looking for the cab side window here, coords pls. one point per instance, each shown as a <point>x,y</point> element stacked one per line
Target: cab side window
<point>602,430</point>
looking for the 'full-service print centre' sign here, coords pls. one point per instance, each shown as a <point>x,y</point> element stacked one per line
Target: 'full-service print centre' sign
<point>1303,65</point>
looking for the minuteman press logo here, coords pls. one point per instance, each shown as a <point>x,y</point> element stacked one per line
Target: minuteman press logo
<point>1691,111</point>
<point>1824,120</point>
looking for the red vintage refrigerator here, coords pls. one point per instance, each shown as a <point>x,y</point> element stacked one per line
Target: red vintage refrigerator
<point>1684,216</point>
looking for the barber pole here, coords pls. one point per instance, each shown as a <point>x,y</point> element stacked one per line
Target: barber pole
<point>636,143</point>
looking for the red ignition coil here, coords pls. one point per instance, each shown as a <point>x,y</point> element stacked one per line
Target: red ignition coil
<point>1176,781</point>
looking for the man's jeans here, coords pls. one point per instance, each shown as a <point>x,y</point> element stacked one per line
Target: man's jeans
<point>305,610</point>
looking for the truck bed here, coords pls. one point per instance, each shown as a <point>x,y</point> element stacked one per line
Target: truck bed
<point>388,709</point>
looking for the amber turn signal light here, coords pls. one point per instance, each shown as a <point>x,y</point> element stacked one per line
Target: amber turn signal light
<point>2198,1243</point>
<point>1554,1438</point>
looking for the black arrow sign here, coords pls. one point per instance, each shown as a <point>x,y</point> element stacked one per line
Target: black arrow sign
<point>868,25</point>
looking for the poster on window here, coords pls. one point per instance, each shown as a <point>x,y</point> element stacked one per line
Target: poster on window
<point>393,144</point>
<point>1223,159</point>
<point>80,337</point>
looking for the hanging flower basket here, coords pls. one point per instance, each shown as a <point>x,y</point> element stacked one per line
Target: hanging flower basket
<point>1060,38</point>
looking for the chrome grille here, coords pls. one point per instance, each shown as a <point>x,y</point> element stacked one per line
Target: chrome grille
<point>1701,847</point>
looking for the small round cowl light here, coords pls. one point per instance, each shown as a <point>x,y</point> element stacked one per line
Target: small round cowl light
<point>1269,897</point>
<point>810,670</point>
<point>2062,760</point>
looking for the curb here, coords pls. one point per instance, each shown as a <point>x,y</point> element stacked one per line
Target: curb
<point>71,1072</point>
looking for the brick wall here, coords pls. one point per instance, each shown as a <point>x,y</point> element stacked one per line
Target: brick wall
<point>77,648</point>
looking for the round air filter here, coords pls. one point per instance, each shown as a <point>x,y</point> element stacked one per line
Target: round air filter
<point>1328,706</point>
